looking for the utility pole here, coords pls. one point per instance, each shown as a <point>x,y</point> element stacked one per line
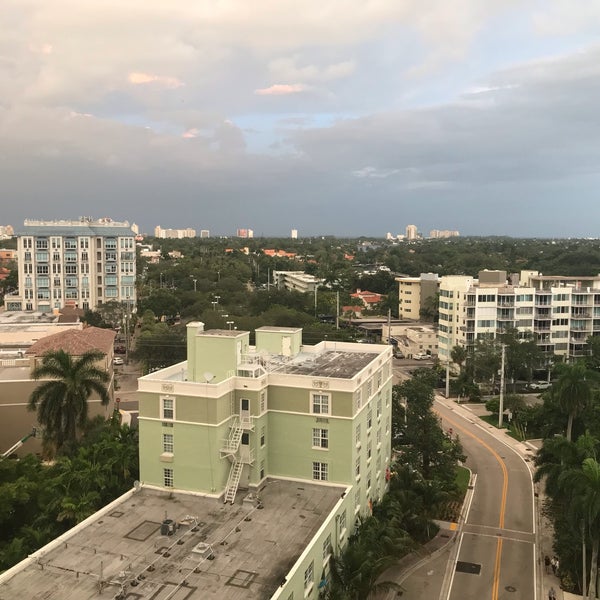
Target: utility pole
<point>337,310</point>
<point>389,324</point>
<point>501,407</point>
<point>448,377</point>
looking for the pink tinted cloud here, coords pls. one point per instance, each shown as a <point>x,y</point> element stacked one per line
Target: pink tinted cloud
<point>138,78</point>
<point>281,89</point>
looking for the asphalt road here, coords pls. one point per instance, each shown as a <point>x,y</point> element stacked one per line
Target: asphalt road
<point>494,557</point>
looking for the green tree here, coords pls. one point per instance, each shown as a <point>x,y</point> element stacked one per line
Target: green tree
<point>583,486</point>
<point>61,402</point>
<point>573,390</point>
<point>458,354</point>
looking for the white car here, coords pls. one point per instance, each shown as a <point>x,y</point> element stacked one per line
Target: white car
<point>421,356</point>
<point>539,385</point>
<point>117,360</point>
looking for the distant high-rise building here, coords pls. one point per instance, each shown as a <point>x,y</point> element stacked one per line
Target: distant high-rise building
<point>204,233</point>
<point>245,233</point>
<point>79,264</point>
<point>135,229</point>
<point>443,233</point>
<point>411,232</point>
<point>294,235</point>
<point>159,232</point>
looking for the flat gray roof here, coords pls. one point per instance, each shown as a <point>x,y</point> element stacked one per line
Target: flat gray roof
<point>253,548</point>
<point>335,363</point>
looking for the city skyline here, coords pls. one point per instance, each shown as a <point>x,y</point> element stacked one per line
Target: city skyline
<point>474,118</point>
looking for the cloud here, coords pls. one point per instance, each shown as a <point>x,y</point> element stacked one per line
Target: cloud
<point>374,173</point>
<point>145,78</point>
<point>289,68</point>
<point>281,89</point>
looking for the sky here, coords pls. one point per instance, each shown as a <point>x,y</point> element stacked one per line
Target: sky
<point>333,117</point>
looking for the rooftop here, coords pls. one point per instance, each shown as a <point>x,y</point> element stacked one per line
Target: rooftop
<point>334,363</point>
<point>252,548</point>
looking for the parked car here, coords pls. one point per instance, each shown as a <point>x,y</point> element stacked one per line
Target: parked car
<point>117,360</point>
<point>421,356</point>
<point>539,385</point>
<point>120,350</point>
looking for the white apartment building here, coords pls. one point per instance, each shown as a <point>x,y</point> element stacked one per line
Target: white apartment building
<point>179,234</point>
<point>79,264</point>
<point>298,281</point>
<point>561,312</point>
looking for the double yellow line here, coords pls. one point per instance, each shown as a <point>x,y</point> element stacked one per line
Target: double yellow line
<point>496,583</point>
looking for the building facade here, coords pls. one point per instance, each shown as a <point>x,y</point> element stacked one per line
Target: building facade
<point>233,414</point>
<point>78,264</point>
<point>413,292</point>
<point>296,281</point>
<point>560,312</point>
<point>179,234</point>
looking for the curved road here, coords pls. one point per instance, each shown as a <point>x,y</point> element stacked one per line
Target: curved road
<point>494,557</point>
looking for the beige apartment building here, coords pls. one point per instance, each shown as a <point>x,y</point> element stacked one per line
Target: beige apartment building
<point>413,292</point>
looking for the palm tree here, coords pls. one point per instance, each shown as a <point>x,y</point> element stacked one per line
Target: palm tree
<point>573,391</point>
<point>61,402</point>
<point>584,487</point>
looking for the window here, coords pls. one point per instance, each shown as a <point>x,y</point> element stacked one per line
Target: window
<point>327,548</point>
<point>41,244</point>
<point>167,408</point>
<point>357,501</point>
<point>486,298</point>
<point>357,435</point>
<point>369,388</point>
<point>358,399</point>
<point>263,401</point>
<point>320,471</point>
<point>320,404</point>
<point>168,477</point>
<point>167,442</point>
<point>262,469</point>
<point>369,418</point>
<point>369,451</point>
<point>357,468</point>
<point>342,523</point>
<point>379,407</point>
<point>320,438</point>
<point>262,436</point>
<point>309,577</point>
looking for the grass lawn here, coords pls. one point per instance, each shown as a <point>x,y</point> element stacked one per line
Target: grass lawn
<point>493,420</point>
<point>462,480</point>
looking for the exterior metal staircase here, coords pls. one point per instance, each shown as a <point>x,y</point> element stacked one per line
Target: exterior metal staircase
<point>234,479</point>
<point>232,443</point>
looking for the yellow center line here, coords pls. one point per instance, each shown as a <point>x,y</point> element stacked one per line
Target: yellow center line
<point>498,458</point>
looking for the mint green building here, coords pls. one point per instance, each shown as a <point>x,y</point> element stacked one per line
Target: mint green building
<point>234,417</point>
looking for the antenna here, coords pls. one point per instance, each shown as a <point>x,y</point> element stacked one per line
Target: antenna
<point>208,376</point>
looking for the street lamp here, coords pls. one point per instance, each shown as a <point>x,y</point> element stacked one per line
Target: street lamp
<point>194,280</point>
<point>230,323</point>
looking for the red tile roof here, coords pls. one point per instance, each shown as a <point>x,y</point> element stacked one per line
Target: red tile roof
<point>75,342</point>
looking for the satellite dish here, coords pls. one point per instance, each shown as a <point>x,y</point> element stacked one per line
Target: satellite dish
<point>208,376</point>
